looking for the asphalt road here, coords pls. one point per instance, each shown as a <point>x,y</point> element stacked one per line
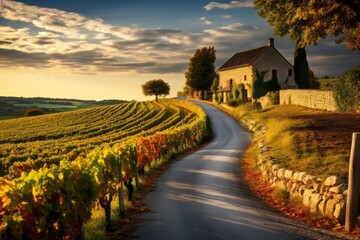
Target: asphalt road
<point>203,196</point>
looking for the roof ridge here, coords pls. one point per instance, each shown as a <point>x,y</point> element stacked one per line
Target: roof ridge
<point>244,57</point>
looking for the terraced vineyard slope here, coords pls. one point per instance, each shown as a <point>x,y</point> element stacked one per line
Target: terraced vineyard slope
<point>34,141</point>
<point>56,167</point>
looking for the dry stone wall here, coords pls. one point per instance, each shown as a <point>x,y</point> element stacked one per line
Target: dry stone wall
<point>317,99</point>
<point>326,197</point>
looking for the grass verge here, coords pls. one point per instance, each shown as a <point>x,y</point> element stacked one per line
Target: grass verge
<point>303,139</point>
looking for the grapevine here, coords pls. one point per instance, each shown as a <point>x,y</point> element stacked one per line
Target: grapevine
<point>51,186</point>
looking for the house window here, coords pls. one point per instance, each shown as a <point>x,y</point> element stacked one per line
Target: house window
<point>244,77</point>
<point>274,74</point>
<point>231,83</point>
<point>290,72</point>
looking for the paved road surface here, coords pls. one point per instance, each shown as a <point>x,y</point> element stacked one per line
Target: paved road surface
<point>203,197</point>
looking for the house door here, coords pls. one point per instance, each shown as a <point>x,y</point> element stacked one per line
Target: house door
<point>274,74</point>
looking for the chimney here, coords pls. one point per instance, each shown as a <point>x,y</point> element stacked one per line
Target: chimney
<point>270,42</point>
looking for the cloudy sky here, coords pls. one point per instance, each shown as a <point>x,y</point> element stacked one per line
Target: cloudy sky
<point>105,49</point>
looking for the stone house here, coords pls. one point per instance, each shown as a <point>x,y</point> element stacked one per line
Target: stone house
<point>239,69</point>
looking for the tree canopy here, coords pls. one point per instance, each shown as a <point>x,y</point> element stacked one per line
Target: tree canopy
<point>201,69</point>
<point>307,22</point>
<point>156,87</point>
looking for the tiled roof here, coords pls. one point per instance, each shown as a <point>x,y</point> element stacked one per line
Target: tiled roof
<point>243,58</point>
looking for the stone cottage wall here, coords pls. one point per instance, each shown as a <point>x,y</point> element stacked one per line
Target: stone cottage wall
<point>317,99</point>
<point>323,196</point>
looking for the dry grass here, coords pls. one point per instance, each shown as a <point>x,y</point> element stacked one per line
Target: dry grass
<point>310,140</point>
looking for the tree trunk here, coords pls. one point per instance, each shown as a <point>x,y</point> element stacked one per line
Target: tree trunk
<point>130,188</point>
<point>121,201</point>
<point>106,204</point>
<point>82,232</point>
<point>121,195</point>
<point>156,98</point>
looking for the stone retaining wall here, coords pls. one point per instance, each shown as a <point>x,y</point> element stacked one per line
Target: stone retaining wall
<point>317,99</point>
<point>324,196</point>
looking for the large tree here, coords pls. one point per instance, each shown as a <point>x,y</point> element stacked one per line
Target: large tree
<point>330,17</point>
<point>314,20</point>
<point>156,87</point>
<point>201,69</point>
<point>301,68</point>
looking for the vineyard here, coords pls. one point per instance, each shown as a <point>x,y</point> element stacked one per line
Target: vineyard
<point>55,168</point>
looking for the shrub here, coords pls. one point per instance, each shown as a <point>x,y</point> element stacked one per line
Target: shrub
<point>259,87</point>
<point>274,98</point>
<point>220,97</point>
<point>33,112</point>
<point>347,92</point>
<point>257,106</point>
<point>229,95</point>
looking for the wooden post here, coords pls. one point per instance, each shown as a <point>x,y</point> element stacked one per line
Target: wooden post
<point>352,205</point>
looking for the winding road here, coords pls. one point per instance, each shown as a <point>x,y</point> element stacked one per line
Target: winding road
<point>204,197</point>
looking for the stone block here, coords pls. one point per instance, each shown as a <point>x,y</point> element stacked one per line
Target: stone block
<point>281,185</point>
<point>340,211</point>
<point>294,187</point>
<point>339,197</point>
<point>263,150</point>
<point>315,199</point>
<point>330,207</point>
<point>338,189</point>
<point>322,206</point>
<point>289,185</point>
<point>317,187</point>
<point>274,168</point>
<point>301,176</point>
<point>306,197</point>
<point>288,174</point>
<point>301,190</point>
<point>309,179</point>
<point>261,161</point>
<point>322,189</point>
<point>319,180</point>
<point>281,173</point>
<point>295,176</point>
<point>332,181</point>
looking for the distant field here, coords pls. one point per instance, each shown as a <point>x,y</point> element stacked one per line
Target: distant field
<point>48,106</point>
<point>13,107</point>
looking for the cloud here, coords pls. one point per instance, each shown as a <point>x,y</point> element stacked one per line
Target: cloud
<point>19,58</point>
<point>69,24</point>
<point>233,4</point>
<point>226,16</point>
<point>70,42</point>
<point>77,43</point>
<point>205,21</point>
<point>232,32</point>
